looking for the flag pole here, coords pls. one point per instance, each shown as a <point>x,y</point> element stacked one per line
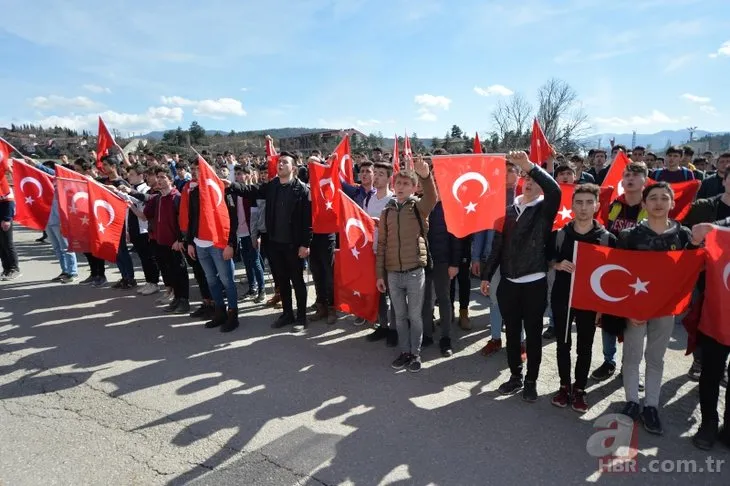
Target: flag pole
<point>572,285</point>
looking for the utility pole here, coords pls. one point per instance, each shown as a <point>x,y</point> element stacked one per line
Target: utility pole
<point>633,139</point>
<point>691,131</point>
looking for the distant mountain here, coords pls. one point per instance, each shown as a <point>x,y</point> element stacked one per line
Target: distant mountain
<point>274,132</point>
<point>657,141</point>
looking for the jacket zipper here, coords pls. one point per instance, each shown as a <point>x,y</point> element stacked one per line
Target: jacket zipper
<point>400,260</point>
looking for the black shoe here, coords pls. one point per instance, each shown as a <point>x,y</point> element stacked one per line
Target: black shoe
<point>513,385</point>
<point>283,321</point>
<point>60,277</point>
<point>391,339</point>
<point>549,333</point>
<point>183,307</point>
<point>604,372</point>
<point>118,284</point>
<point>218,318</point>
<point>172,305</point>
<point>87,281</point>
<point>401,361</point>
<point>131,283</point>
<point>724,435</point>
<point>426,341</point>
<point>632,410</point>
<point>260,297</point>
<point>650,418</point>
<point>201,311</point>
<point>445,346</point>
<point>377,334</point>
<point>415,364</point>
<point>231,321</point>
<point>300,325</point>
<point>705,437</point>
<point>529,392</point>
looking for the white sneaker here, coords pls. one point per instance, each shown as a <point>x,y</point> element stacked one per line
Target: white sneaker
<point>166,298</point>
<point>149,289</point>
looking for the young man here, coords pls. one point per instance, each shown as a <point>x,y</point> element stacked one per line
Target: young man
<point>674,171</point>
<point>623,213</point>
<point>650,159</point>
<point>583,228</point>
<point>259,237</point>
<point>688,154</point>
<point>289,230</point>
<point>565,174</point>
<point>656,233</point>
<point>249,255</point>
<point>402,255</point>
<point>520,252</point>
<point>637,155</point>
<point>713,185</point>
<point>110,165</point>
<point>581,175</point>
<point>8,255</point>
<point>182,175</point>
<point>97,266</point>
<point>599,162</point>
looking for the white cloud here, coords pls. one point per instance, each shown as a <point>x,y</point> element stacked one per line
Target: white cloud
<point>432,101</point>
<point>244,89</point>
<point>155,118</point>
<point>709,109</point>
<point>94,88</point>
<point>210,108</point>
<point>54,101</point>
<point>678,62</point>
<point>656,117</point>
<point>493,90</point>
<point>696,99</point>
<point>724,50</point>
<point>426,115</point>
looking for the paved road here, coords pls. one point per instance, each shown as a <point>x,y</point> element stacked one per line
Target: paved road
<point>98,386</point>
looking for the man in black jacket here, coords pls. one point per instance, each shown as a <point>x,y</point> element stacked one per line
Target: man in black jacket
<point>713,185</point>
<point>289,228</point>
<point>519,250</point>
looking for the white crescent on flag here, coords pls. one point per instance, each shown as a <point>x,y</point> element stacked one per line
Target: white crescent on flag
<point>327,181</point>
<point>342,164</point>
<point>356,223</point>
<point>217,189</point>
<point>76,197</point>
<point>596,277</point>
<point>33,181</point>
<point>725,275</point>
<point>469,176</point>
<point>104,204</point>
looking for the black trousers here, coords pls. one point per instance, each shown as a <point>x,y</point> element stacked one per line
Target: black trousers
<point>289,272</point>
<point>321,255</point>
<point>143,248</point>
<point>172,263</point>
<point>464,280</point>
<point>523,304</point>
<point>585,323</point>
<point>8,255</point>
<point>438,283</point>
<point>714,364</point>
<point>199,275</point>
<point>97,266</point>
<point>265,253</point>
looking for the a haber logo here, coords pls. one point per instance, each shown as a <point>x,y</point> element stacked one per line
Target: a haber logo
<point>615,444</point>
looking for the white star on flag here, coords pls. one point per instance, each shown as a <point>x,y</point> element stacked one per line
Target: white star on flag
<point>356,293</point>
<point>639,286</point>
<point>328,205</point>
<point>470,208</point>
<point>565,213</point>
<point>355,253</point>
<point>101,228</point>
<point>29,200</point>
<point>84,220</point>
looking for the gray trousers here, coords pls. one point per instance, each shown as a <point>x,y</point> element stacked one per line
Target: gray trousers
<point>657,332</point>
<point>406,297</point>
<point>438,283</point>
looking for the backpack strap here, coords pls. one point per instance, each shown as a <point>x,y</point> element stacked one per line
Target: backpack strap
<point>605,238</point>
<point>429,262</point>
<point>559,239</point>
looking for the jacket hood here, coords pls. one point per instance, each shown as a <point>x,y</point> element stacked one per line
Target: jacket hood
<point>593,234</point>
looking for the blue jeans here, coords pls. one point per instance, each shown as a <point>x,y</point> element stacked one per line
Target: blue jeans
<point>66,258</point>
<point>609,347</point>
<point>406,297</point>
<point>124,260</point>
<point>219,275</point>
<point>252,261</point>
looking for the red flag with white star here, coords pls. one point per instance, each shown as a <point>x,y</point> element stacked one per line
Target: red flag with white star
<point>472,190</point>
<point>539,146</point>
<point>324,186</point>
<point>355,289</point>
<point>107,214</point>
<point>34,195</point>
<point>716,305</point>
<point>565,212</point>
<point>73,210</point>
<point>343,160</point>
<point>214,221</point>
<point>104,143</point>
<point>5,151</point>
<point>635,284</point>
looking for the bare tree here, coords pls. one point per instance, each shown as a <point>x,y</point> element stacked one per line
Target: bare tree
<point>561,114</point>
<point>512,119</point>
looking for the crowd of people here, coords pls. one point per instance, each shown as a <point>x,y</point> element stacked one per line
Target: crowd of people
<point>525,268</point>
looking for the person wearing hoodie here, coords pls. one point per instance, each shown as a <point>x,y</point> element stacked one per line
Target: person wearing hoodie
<point>584,228</point>
<point>520,251</point>
<point>657,233</point>
<point>8,255</point>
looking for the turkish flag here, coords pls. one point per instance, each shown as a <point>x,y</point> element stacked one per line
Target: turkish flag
<point>5,151</point>
<point>477,144</point>
<point>634,284</point>
<point>215,222</point>
<point>355,290</point>
<point>615,174</point>
<point>324,186</point>
<point>34,197</point>
<point>73,211</point>
<point>104,142</point>
<point>272,159</point>
<point>343,160</point>
<point>107,214</point>
<point>565,213</point>
<point>716,306</point>
<point>407,148</point>
<point>539,146</point>
<point>472,190</point>
<point>684,196</point>
<point>396,157</point>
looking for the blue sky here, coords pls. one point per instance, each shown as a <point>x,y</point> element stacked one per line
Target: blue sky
<point>389,65</point>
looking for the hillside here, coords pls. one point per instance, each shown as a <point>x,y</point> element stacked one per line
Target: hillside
<point>274,132</point>
<point>657,141</point>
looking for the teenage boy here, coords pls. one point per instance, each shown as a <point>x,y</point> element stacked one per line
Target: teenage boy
<point>583,228</point>
<point>674,171</point>
<point>402,255</point>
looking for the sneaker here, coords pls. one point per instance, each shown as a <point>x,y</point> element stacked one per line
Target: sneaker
<point>166,298</point>
<point>201,311</point>
<point>562,398</point>
<point>378,334</point>
<point>632,410</point>
<point>131,283</point>
<point>695,370</point>
<point>69,279</point>
<point>359,321</point>
<point>529,392</point>
<point>523,352</point>
<point>401,361</point>
<point>426,341</point>
<point>12,275</point>
<point>182,307</point>
<point>149,289</point>
<point>331,316</point>
<point>99,282</point>
<point>578,401</point>
<point>415,364</point>
<point>88,280</point>
<point>445,346</point>
<point>391,338</point>
<point>119,284</point>
<point>59,278</point>
<point>260,297</point>
<point>513,385</point>
<point>604,372</point>
<point>549,333</point>
<point>231,321</point>
<point>299,325</point>
<point>172,305</point>
<point>493,345</point>
<point>650,418</point>
<point>283,321</point>
<point>250,295</point>
<point>705,437</point>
